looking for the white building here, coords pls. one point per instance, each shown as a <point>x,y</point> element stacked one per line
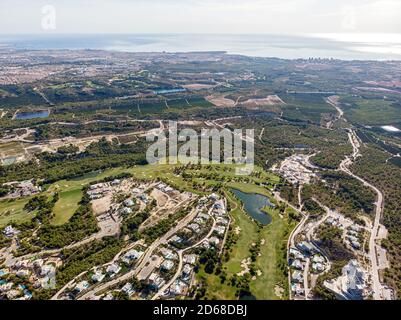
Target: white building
<point>83,285</point>
<point>220,230</point>
<point>128,289</point>
<point>113,269</point>
<point>129,203</point>
<point>167,253</point>
<point>126,211</point>
<point>190,258</point>
<point>98,276</point>
<point>167,265</point>
<point>319,267</point>
<point>297,276</point>
<point>297,264</point>
<point>194,227</point>
<point>176,238</point>
<point>133,254</point>
<point>214,241</point>
<point>10,232</point>
<point>351,285</point>
<point>187,270</point>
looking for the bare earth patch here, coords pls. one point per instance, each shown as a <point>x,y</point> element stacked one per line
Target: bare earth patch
<point>220,100</point>
<point>101,205</point>
<point>271,100</point>
<point>278,291</point>
<point>159,196</point>
<point>237,230</point>
<point>245,267</point>
<point>198,86</point>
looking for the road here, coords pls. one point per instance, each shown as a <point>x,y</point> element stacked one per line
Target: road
<point>333,101</point>
<point>377,287</point>
<point>11,260</point>
<point>261,134</point>
<point>379,205</point>
<point>180,263</point>
<point>294,233</point>
<point>345,165</point>
<point>145,258</point>
<point>116,257</point>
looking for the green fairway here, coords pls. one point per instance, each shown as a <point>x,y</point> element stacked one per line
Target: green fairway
<point>238,252</point>
<point>66,206</point>
<point>273,259</point>
<point>247,236</point>
<point>216,289</point>
<point>247,231</point>
<point>13,210</point>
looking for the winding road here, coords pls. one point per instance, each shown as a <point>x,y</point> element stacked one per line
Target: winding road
<point>180,263</point>
<point>345,165</point>
<point>145,258</point>
<point>379,205</point>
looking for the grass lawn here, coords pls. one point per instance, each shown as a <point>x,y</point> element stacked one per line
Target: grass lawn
<point>66,206</point>
<point>14,211</point>
<point>272,253</point>
<point>239,252</point>
<point>216,289</point>
<point>247,236</point>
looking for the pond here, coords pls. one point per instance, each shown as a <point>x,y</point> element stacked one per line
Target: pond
<point>173,90</point>
<point>253,205</point>
<point>32,115</point>
<point>9,161</point>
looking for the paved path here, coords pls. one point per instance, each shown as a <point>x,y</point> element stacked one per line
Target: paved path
<point>345,165</point>
<point>145,258</point>
<point>294,233</point>
<point>379,205</point>
<point>180,263</point>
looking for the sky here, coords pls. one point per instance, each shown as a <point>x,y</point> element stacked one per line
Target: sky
<point>200,16</point>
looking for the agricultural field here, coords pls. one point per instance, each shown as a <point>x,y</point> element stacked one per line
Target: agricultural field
<point>371,111</point>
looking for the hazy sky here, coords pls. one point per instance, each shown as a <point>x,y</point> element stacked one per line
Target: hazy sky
<point>200,16</point>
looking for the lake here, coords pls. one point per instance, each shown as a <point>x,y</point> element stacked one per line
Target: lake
<point>32,115</point>
<point>253,205</point>
<point>163,91</point>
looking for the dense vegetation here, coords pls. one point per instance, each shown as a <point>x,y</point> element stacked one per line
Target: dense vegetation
<point>58,166</point>
<point>85,257</point>
<point>331,243</point>
<point>386,176</point>
<point>82,224</point>
<point>342,192</point>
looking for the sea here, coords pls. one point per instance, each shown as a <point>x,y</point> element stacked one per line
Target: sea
<point>344,46</point>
